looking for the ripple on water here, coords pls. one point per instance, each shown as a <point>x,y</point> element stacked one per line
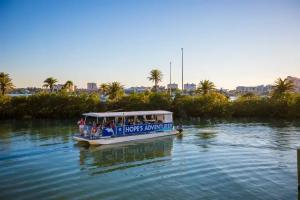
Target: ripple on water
<point>219,161</point>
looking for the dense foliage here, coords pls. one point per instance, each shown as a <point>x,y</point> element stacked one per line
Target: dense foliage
<point>48,105</point>
<point>276,106</point>
<point>5,83</point>
<point>205,104</point>
<point>208,106</point>
<point>211,105</point>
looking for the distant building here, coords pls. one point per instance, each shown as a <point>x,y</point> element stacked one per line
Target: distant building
<point>58,87</point>
<point>173,86</point>
<point>22,91</point>
<point>161,88</point>
<point>296,82</point>
<point>33,90</point>
<point>259,90</point>
<point>189,87</point>
<point>92,87</point>
<point>74,88</point>
<point>140,89</point>
<point>223,91</point>
<point>81,90</point>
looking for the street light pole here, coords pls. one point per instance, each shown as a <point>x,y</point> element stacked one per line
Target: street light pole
<point>182,69</point>
<point>170,78</point>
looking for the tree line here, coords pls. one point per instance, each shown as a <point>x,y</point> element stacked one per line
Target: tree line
<point>205,103</point>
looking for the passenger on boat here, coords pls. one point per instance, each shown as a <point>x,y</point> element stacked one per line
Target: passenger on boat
<point>81,124</point>
<point>120,123</point>
<point>113,125</point>
<point>99,128</point>
<point>94,129</point>
<point>94,126</point>
<point>107,125</point>
<point>130,122</point>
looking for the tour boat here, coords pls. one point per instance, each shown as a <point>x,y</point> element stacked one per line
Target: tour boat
<point>117,127</point>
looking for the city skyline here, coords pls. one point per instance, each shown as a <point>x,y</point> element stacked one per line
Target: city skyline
<point>241,43</point>
<point>187,86</point>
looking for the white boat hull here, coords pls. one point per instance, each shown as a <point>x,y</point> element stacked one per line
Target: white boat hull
<point>114,140</point>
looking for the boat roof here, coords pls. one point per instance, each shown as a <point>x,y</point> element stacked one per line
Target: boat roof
<point>131,113</point>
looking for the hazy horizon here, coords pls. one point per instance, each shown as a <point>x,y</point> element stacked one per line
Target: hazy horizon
<point>231,43</point>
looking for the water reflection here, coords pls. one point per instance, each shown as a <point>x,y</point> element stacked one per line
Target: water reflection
<point>207,134</point>
<point>110,155</point>
<point>213,160</point>
<point>43,132</point>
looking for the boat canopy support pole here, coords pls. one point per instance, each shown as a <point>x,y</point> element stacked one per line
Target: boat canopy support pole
<point>123,124</point>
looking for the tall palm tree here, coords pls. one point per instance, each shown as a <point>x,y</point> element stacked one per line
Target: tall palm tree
<point>205,87</point>
<point>115,90</point>
<point>68,85</point>
<point>283,86</point>
<point>155,76</point>
<point>5,83</point>
<point>104,87</point>
<point>50,82</point>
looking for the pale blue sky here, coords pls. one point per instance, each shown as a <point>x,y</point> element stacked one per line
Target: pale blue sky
<point>230,42</point>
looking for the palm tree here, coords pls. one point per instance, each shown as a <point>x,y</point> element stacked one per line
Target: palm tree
<point>205,87</point>
<point>5,83</point>
<point>49,82</point>
<point>104,87</point>
<point>68,85</point>
<point>115,90</point>
<point>283,86</point>
<point>155,76</point>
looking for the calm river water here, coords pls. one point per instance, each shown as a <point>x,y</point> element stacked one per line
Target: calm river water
<point>213,160</point>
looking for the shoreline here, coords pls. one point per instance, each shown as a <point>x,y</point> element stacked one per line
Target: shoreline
<point>184,107</point>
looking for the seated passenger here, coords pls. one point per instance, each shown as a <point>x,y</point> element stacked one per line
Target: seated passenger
<point>120,123</point>
<point>99,126</point>
<point>112,125</point>
<point>131,122</point>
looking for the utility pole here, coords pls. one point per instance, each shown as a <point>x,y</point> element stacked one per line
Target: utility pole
<point>170,78</point>
<point>182,69</point>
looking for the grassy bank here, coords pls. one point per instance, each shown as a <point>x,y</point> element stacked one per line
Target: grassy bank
<point>212,105</point>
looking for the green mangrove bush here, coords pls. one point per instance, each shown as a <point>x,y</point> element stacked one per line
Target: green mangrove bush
<point>210,105</point>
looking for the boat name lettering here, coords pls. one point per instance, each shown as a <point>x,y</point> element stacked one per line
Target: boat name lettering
<point>144,128</point>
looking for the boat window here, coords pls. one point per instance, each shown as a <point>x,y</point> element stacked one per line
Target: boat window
<point>129,120</point>
<point>139,120</point>
<point>100,121</point>
<point>168,119</point>
<point>110,122</point>
<point>150,119</point>
<point>119,121</point>
<point>89,120</point>
<point>160,118</point>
